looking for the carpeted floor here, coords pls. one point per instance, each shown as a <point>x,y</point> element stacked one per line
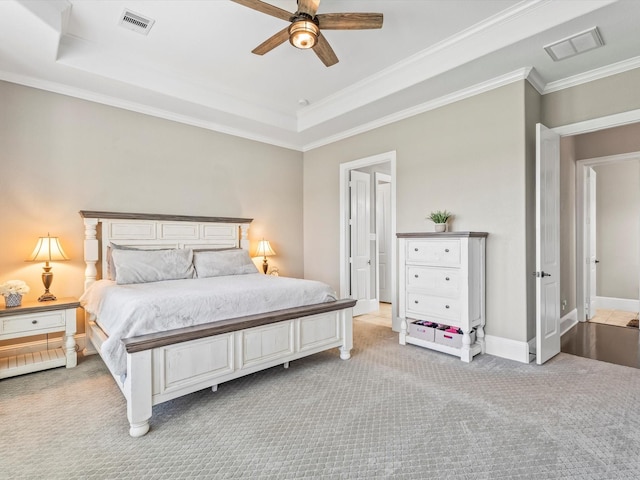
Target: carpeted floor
<point>389,412</point>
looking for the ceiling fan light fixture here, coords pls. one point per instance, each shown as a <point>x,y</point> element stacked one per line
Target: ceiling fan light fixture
<point>303,34</point>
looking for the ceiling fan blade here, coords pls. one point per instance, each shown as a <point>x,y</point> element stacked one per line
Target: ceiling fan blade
<point>349,21</point>
<point>266,8</point>
<point>325,52</point>
<point>272,42</point>
<point>310,7</point>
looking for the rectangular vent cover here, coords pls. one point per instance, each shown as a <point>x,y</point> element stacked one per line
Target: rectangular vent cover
<point>136,22</point>
<point>575,44</point>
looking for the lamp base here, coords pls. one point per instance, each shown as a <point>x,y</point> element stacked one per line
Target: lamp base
<point>46,297</point>
<point>265,265</point>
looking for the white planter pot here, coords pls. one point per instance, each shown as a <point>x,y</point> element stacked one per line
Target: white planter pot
<point>440,227</point>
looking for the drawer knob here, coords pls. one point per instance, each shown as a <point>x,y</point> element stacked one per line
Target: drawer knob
<point>416,275</point>
<point>415,249</point>
<point>446,306</point>
<point>446,278</point>
<point>415,301</point>
<point>34,321</point>
<point>446,250</point>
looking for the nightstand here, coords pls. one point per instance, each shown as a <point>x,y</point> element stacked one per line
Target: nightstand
<point>39,318</point>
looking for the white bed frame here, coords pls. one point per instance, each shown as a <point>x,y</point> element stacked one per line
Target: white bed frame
<point>170,364</point>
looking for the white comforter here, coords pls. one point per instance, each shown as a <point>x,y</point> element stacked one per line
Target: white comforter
<point>125,311</point>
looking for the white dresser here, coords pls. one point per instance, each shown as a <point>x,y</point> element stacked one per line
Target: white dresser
<point>442,281</point>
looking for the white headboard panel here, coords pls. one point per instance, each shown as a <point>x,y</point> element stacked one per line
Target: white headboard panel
<point>156,231</point>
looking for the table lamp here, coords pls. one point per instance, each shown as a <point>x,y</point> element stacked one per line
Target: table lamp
<point>264,250</point>
<point>48,249</point>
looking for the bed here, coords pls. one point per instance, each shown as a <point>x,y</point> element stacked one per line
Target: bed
<point>222,339</point>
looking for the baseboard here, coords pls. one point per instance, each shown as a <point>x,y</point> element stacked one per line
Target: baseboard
<point>612,303</point>
<point>38,345</point>
<point>568,321</point>
<point>506,348</point>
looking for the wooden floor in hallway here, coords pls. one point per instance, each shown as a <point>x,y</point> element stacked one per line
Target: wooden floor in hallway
<point>608,343</point>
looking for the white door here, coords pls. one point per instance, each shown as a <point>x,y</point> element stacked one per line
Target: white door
<point>383,234</point>
<point>591,247</point>
<point>547,244</point>
<point>360,226</point>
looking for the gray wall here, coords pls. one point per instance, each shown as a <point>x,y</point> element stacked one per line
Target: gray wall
<point>468,158</point>
<point>617,229</point>
<point>60,155</point>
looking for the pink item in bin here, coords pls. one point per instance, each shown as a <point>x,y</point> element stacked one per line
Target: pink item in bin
<point>453,330</point>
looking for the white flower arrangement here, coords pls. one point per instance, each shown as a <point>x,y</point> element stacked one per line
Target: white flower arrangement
<point>14,286</point>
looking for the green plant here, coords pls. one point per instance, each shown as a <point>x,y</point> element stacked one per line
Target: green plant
<point>440,216</point>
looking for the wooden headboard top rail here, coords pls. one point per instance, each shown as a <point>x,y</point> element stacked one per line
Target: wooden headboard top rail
<point>153,231</point>
<point>161,216</point>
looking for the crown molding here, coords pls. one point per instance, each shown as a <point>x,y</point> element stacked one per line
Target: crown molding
<point>590,76</point>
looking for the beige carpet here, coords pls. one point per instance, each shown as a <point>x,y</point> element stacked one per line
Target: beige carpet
<point>390,412</point>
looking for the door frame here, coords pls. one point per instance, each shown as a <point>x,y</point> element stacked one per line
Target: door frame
<point>582,231</point>
<point>345,240</point>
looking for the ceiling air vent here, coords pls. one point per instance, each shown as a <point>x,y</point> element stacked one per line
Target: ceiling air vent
<point>136,22</point>
<point>575,44</point>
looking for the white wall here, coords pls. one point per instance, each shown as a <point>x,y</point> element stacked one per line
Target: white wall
<point>59,155</point>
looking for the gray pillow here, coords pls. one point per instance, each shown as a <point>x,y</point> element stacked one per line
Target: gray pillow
<point>111,268</point>
<point>142,266</point>
<point>223,262</point>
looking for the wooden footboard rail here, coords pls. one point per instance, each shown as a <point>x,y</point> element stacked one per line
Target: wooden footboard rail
<point>153,340</point>
<point>168,365</point>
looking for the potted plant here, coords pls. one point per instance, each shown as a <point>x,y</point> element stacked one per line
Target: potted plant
<point>440,217</point>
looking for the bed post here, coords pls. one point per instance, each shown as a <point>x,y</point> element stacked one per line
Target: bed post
<point>244,236</point>
<point>137,391</point>
<point>346,324</point>
<point>90,251</point>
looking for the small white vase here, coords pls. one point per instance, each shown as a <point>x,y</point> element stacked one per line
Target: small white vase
<point>13,300</point>
<point>440,227</point>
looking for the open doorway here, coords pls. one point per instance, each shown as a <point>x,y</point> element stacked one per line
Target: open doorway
<point>367,234</point>
<point>608,239</point>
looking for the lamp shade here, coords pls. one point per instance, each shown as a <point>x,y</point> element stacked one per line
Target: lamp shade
<point>47,249</point>
<point>264,249</point>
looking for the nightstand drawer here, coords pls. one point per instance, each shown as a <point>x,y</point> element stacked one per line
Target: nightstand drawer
<point>36,321</point>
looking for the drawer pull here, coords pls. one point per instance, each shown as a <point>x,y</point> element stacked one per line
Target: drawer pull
<point>446,278</point>
<point>415,301</point>
<point>416,275</point>
<point>446,250</point>
<point>446,306</point>
<point>34,321</point>
<point>415,249</point>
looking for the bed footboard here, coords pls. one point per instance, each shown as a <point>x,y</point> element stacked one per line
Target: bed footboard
<point>161,367</point>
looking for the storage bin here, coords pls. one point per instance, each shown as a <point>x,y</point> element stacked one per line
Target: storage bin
<point>452,339</point>
<point>422,329</point>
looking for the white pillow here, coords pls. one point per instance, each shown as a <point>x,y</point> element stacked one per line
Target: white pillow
<point>223,262</point>
<point>142,266</point>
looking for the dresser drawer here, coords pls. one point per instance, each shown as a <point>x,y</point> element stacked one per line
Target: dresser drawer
<point>440,282</point>
<point>444,308</point>
<point>34,322</point>
<point>434,252</point>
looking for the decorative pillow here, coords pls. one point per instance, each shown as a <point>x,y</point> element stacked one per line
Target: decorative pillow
<point>223,262</point>
<point>141,266</point>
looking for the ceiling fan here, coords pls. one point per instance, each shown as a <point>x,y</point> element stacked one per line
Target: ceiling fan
<point>305,27</point>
